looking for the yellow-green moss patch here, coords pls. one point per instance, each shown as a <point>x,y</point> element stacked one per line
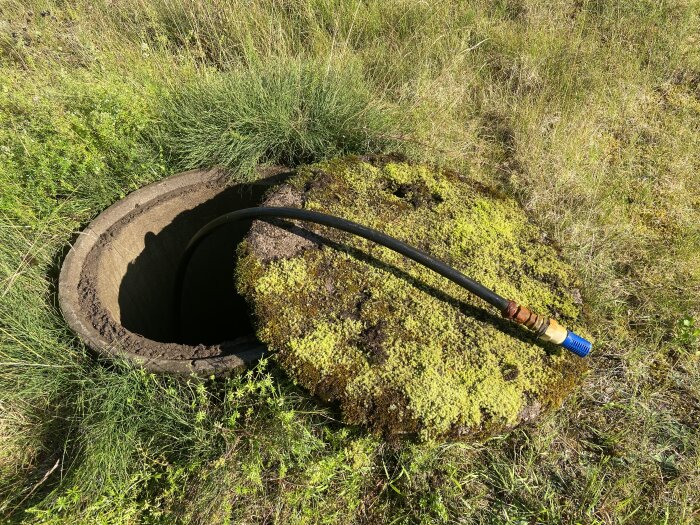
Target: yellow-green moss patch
<point>402,349</point>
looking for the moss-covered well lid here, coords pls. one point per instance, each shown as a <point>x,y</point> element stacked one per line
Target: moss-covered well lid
<point>402,349</point>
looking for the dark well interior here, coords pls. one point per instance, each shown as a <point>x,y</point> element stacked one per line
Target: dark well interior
<point>147,247</point>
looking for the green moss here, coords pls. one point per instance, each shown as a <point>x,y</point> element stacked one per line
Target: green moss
<point>401,348</point>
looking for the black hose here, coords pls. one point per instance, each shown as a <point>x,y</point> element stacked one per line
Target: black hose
<point>423,258</point>
<point>546,329</point>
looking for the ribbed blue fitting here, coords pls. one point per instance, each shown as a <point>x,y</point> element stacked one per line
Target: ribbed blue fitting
<point>577,344</point>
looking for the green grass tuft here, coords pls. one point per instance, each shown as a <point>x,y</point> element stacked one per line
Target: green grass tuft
<point>285,112</point>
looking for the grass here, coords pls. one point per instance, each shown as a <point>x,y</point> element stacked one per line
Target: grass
<point>588,112</point>
<point>280,112</point>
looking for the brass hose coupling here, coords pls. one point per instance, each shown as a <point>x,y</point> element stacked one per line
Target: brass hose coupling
<point>547,329</point>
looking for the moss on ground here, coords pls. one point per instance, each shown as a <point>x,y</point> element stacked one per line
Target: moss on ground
<point>402,349</point>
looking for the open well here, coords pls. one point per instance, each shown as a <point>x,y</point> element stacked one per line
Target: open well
<point>116,287</point>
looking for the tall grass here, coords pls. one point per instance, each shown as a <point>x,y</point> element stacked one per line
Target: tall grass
<point>276,111</point>
<point>588,112</point>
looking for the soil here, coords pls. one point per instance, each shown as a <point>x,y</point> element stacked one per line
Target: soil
<point>275,239</point>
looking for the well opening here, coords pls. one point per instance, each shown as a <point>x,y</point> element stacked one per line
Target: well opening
<point>211,310</point>
<point>117,286</point>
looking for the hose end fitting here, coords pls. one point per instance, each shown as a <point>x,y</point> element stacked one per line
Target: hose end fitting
<point>577,344</point>
<point>547,329</point>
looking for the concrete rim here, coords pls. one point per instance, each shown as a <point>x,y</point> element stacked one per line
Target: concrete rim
<point>73,264</point>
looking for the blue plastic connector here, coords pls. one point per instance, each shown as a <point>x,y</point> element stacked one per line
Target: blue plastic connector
<point>577,344</point>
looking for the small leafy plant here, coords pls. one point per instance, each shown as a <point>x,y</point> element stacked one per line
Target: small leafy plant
<point>688,334</point>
